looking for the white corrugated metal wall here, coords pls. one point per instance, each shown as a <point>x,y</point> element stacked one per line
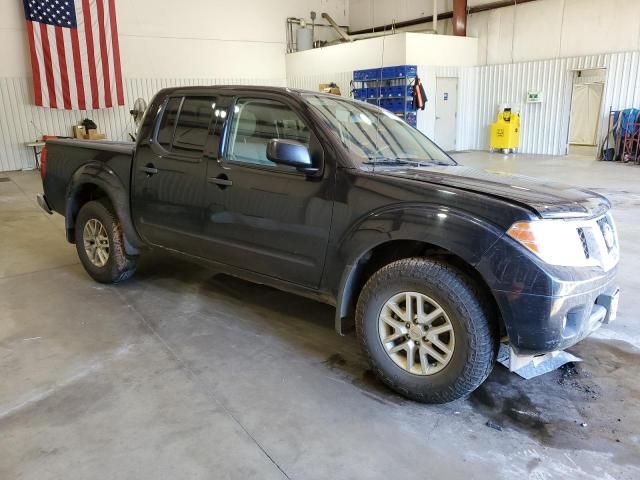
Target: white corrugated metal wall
<point>545,125</point>
<point>22,122</point>
<point>481,91</point>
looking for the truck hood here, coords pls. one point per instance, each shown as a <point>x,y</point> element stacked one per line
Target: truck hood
<point>547,199</point>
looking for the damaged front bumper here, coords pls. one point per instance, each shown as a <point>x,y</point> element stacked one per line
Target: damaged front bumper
<point>545,324</point>
<point>546,308</point>
<point>577,323</point>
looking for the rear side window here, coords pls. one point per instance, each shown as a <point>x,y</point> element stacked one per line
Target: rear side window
<point>193,124</point>
<point>184,125</point>
<point>168,122</point>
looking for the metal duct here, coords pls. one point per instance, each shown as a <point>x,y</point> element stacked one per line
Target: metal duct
<point>342,32</point>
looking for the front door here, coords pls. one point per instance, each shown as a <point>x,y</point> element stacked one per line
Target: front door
<point>169,175</point>
<point>446,108</point>
<point>263,217</point>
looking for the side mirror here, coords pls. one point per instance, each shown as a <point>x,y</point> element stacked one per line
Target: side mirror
<point>292,153</point>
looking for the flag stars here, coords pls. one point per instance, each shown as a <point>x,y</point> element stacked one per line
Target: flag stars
<point>60,13</point>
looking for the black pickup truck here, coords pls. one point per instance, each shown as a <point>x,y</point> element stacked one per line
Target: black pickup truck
<point>343,202</point>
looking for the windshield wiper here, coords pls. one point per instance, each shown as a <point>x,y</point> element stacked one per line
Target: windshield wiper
<point>386,161</point>
<point>404,161</point>
<point>432,162</point>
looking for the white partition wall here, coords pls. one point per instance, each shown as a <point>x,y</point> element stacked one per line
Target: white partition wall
<point>388,50</point>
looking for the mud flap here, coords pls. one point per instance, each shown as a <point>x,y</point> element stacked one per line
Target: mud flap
<point>530,366</point>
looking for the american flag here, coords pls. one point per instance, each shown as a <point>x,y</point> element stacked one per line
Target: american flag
<point>75,56</point>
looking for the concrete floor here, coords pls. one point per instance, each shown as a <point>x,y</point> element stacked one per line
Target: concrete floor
<point>181,373</point>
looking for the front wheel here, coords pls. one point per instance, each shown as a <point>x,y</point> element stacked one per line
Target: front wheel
<point>100,244</point>
<point>425,330</point>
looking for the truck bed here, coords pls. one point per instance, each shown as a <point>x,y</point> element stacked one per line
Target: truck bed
<point>66,156</point>
<point>126,148</point>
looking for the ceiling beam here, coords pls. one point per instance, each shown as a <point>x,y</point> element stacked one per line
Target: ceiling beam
<point>443,16</point>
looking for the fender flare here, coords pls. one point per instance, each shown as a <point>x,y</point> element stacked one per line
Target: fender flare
<point>425,223</point>
<point>99,175</point>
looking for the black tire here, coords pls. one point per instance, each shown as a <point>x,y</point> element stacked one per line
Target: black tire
<point>119,266</point>
<point>476,338</point>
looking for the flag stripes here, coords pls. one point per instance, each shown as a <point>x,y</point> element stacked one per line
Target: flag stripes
<point>74,50</point>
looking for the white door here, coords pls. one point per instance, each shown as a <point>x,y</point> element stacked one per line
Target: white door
<point>585,113</point>
<point>446,108</point>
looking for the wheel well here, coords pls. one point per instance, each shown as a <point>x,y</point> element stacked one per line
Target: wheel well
<point>86,193</point>
<point>388,252</point>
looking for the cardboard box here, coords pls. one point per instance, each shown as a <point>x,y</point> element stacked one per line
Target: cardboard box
<point>79,131</point>
<point>94,135</point>
<point>328,88</point>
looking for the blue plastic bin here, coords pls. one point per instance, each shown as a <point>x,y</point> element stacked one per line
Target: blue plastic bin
<point>400,71</point>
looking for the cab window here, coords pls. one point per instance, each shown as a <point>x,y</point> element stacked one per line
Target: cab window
<point>184,126</point>
<point>257,121</point>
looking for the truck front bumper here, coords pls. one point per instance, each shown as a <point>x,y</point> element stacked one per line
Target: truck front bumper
<point>541,324</point>
<point>545,308</point>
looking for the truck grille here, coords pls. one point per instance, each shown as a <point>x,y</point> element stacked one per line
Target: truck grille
<point>606,229</point>
<point>599,241</point>
<point>583,240</point>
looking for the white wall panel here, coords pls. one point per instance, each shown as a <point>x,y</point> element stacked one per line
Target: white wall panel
<point>21,122</point>
<point>194,38</point>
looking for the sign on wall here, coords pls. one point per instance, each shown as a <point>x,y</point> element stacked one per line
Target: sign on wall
<point>534,96</point>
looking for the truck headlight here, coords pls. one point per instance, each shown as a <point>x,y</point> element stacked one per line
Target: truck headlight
<point>556,242</point>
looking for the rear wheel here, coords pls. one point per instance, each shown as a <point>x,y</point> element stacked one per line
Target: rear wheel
<point>425,330</point>
<point>100,244</point>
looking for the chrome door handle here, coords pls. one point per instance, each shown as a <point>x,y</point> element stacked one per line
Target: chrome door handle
<point>149,169</point>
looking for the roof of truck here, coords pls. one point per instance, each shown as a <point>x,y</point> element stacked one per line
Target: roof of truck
<point>256,88</point>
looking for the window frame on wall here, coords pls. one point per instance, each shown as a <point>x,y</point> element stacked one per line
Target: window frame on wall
<point>169,148</point>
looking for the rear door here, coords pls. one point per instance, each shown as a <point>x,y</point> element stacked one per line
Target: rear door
<point>169,175</point>
<point>268,218</point>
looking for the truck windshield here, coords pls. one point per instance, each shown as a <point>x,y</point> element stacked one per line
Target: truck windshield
<point>376,136</point>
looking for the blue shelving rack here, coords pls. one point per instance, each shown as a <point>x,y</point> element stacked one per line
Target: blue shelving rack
<point>389,88</point>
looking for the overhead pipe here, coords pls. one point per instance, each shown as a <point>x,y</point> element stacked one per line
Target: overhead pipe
<point>459,20</point>
<point>443,16</point>
<point>435,16</point>
<point>341,31</point>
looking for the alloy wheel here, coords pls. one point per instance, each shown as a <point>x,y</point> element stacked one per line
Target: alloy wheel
<point>416,333</point>
<point>96,242</point>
